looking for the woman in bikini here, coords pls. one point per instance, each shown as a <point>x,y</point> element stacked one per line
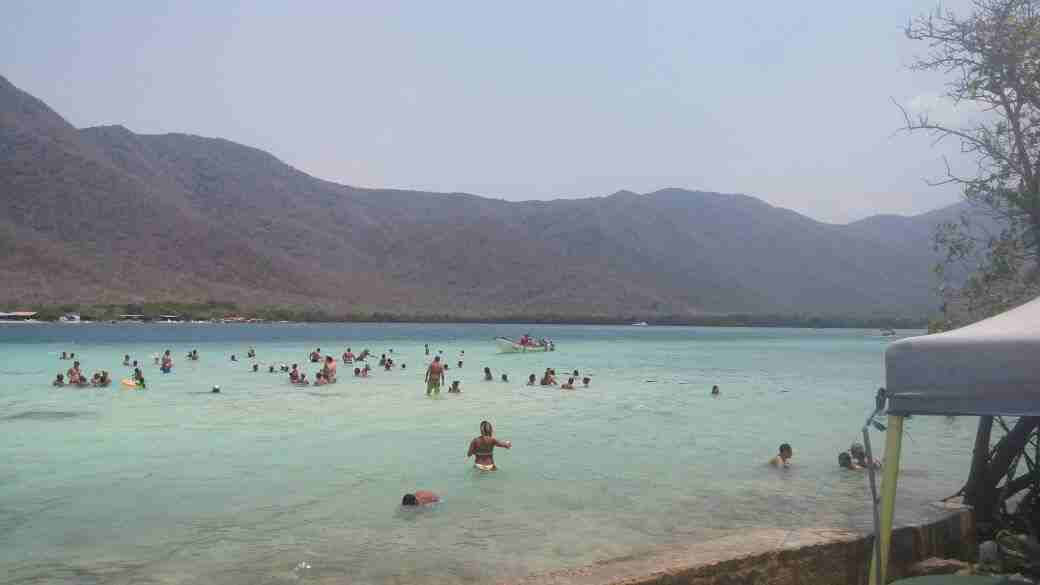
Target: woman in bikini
<point>483,448</point>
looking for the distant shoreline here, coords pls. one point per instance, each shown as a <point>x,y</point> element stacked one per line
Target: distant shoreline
<point>229,313</point>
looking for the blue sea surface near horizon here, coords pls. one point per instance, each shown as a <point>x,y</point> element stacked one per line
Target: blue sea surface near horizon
<point>267,482</point>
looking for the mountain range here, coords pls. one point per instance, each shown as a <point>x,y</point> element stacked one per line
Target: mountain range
<point>105,215</point>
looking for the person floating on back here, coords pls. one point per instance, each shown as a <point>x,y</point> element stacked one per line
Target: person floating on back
<point>783,457</point>
<point>483,448</point>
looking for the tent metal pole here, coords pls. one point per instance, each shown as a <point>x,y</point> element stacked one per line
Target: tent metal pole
<point>889,478</point>
<point>874,501</point>
<point>879,407</point>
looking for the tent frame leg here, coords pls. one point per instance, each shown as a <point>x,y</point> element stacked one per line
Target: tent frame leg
<point>890,477</point>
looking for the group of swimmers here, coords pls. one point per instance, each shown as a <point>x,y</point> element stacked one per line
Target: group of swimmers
<point>854,459</point>
<point>549,379</point>
<point>75,377</point>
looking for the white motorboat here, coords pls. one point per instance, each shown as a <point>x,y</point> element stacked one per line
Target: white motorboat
<point>506,345</point>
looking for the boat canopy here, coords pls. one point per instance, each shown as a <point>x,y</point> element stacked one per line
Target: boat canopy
<point>987,368</point>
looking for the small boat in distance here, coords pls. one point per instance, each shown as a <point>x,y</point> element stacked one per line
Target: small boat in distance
<point>640,324</point>
<point>506,345</point>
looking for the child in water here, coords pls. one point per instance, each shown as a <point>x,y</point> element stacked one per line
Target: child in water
<point>454,389</point>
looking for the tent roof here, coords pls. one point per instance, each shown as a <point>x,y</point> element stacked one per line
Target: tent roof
<point>988,368</point>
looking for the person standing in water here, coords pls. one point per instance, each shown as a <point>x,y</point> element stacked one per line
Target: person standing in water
<point>434,376</point>
<point>483,448</point>
<point>139,378</point>
<point>487,374</point>
<point>427,346</point>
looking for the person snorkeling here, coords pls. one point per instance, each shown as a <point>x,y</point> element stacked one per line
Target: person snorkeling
<point>483,448</point>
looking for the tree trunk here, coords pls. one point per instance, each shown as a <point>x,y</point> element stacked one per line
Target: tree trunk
<point>979,460</point>
<point>1007,450</point>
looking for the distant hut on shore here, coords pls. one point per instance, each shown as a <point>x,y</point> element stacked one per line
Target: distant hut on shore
<point>16,316</point>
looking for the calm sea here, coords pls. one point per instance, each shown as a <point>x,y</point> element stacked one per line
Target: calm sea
<point>271,483</point>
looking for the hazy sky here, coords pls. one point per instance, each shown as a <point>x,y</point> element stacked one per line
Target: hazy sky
<point>787,101</point>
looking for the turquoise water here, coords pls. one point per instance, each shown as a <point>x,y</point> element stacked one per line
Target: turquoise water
<point>271,483</point>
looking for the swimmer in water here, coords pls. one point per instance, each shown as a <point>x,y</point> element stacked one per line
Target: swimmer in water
<point>715,391</point>
<point>215,390</point>
<point>585,381</point>
<point>270,369</point>
<point>139,378</point>
<point>455,389</point>
<point>531,380</point>
<point>256,367</point>
<point>126,360</point>
<point>420,498</point>
<point>487,374</point>
<point>64,356</point>
<point>859,457</point>
<point>357,372</point>
<point>568,385</point>
<point>319,379</point>
<point>234,358</point>
<point>505,378</point>
<point>783,457</point>
<point>427,347</point>
<point>251,353</point>
<point>59,380</point>
<point>483,448</point>
<point>845,462</point>
<point>167,363</point>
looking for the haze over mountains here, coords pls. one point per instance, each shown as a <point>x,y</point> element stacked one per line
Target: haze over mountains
<point>106,215</point>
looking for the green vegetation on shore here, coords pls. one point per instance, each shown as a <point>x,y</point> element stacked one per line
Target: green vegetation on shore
<point>217,310</point>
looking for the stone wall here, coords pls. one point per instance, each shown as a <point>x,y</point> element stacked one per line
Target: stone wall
<point>780,557</point>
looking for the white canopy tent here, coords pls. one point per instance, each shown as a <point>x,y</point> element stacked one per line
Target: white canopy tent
<point>988,368</point>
